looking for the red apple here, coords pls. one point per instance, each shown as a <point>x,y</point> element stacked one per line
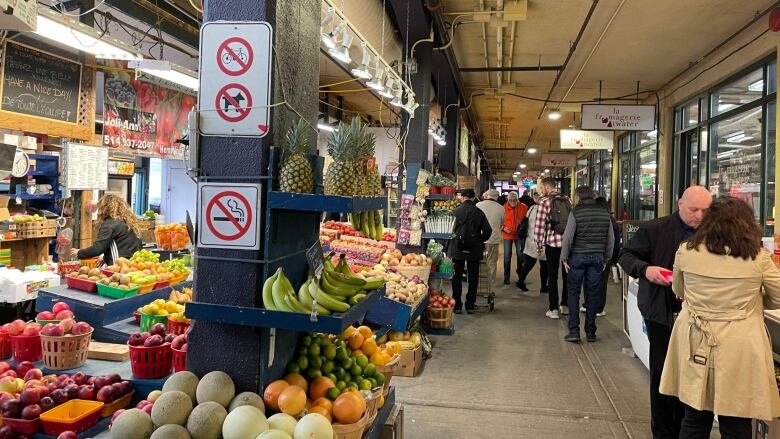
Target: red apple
<point>169,338</point>
<point>65,314</point>
<point>31,412</point>
<point>33,374</point>
<point>106,394</point>
<point>81,328</point>
<point>16,327</point>
<point>44,391</point>
<point>102,381</point>
<point>178,342</point>
<point>59,307</point>
<point>158,329</point>
<point>72,390</point>
<point>135,339</point>
<point>79,378</point>
<point>47,403</point>
<point>9,373</point>
<point>153,341</point>
<point>4,367</point>
<point>11,409</point>
<point>145,335</point>
<point>91,380</point>
<point>7,432</point>
<point>66,325</point>
<point>31,329</point>
<point>5,396</point>
<point>24,367</point>
<point>68,435</point>
<point>114,378</point>
<point>52,330</point>
<point>45,315</point>
<point>30,396</point>
<point>59,396</point>
<point>87,392</point>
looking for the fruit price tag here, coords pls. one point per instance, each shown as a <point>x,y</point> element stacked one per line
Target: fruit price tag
<point>315,258</point>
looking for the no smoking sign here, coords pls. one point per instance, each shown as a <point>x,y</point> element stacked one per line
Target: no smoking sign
<point>235,79</point>
<point>228,216</point>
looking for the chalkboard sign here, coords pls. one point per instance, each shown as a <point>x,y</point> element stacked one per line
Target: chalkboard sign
<point>315,258</point>
<point>40,84</point>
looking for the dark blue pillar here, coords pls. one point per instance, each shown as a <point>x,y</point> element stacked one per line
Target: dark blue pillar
<point>295,79</point>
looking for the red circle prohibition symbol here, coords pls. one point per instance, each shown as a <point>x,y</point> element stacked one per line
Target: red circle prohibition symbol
<point>225,51</point>
<point>243,112</point>
<point>216,202</point>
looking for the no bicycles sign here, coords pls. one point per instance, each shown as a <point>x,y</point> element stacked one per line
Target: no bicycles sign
<point>235,78</point>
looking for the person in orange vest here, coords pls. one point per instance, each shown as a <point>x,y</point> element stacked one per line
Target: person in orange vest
<point>514,232</point>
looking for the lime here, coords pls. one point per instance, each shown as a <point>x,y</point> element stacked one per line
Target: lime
<point>332,377</point>
<point>380,379</point>
<point>324,340</point>
<point>303,362</point>
<point>313,373</point>
<point>314,350</point>
<point>347,363</point>
<point>341,385</point>
<point>369,370</point>
<point>323,359</point>
<point>315,362</point>
<point>361,360</point>
<point>333,393</point>
<point>356,370</point>
<point>306,340</point>
<point>301,350</point>
<point>364,385</point>
<point>328,366</point>
<point>329,352</point>
<point>293,368</point>
<point>339,372</point>
<point>340,344</point>
<point>351,384</point>
<point>342,354</point>
<point>374,384</point>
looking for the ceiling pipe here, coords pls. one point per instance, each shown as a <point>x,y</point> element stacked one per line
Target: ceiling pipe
<point>500,48</point>
<point>511,69</point>
<point>511,49</point>
<point>569,55</point>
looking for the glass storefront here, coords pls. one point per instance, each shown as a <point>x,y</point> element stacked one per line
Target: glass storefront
<point>638,175</point>
<point>582,171</point>
<point>601,172</point>
<point>725,140</point>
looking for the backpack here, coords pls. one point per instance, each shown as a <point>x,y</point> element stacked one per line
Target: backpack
<point>467,235</point>
<point>522,228</point>
<point>560,208</point>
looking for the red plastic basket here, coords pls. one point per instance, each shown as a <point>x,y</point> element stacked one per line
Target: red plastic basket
<point>66,268</point>
<point>81,284</point>
<point>151,363</point>
<point>179,360</point>
<point>435,190</point>
<point>137,316</point>
<point>161,284</point>
<point>448,190</point>
<point>75,415</point>
<point>26,348</point>
<point>23,426</point>
<point>5,345</point>
<point>177,328</point>
<point>108,273</point>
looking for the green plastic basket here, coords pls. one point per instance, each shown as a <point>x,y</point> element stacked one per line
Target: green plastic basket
<point>148,320</point>
<point>115,293</point>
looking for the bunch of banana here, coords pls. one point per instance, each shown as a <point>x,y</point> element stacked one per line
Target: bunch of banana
<point>279,294</point>
<point>369,223</point>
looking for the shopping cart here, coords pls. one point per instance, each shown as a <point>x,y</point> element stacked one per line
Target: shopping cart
<point>485,286</point>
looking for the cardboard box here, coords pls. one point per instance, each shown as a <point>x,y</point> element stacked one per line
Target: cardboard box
<point>4,212</point>
<point>11,293</point>
<point>410,362</point>
<point>766,430</point>
<point>394,425</point>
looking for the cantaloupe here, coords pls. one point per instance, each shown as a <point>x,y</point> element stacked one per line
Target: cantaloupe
<point>247,398</point>
<point>274,434</point>
<point>171,432</point>
<point>172,407</point>
<point>245,422</point>
<point>216,386</point>
<point>183,381</point>
<point>205,421</point>
<point>283,422</point>
<point>132,424</point>
<point>313,426</point>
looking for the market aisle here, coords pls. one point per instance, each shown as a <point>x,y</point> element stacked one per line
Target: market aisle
<point>510,374</point>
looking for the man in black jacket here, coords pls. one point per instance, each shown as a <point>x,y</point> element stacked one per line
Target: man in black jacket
<point>471,231</point>
<point>645,257</point>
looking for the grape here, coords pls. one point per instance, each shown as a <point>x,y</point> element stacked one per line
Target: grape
<point>146,256</point>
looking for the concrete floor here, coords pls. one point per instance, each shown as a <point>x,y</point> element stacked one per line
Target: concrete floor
<point>509,373</point>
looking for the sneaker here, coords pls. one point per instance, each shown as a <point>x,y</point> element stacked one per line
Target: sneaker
<point>564,310</point>
<point>582,309</point>
<point>590,337</point>
<point>601,314</point>
<point>553,314</point>
<point>458,311</point>
<point>521,285</point>
<point>573,338</point>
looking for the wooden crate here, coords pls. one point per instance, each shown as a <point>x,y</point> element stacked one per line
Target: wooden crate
<point>36,225</point>
<point>108,351</point>
<point>394,425</point>
<point>36,233</point>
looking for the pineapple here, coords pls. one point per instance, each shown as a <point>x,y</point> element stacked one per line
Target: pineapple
<point>371,182</point>
<point>341,175</point>
<point>295,173</point>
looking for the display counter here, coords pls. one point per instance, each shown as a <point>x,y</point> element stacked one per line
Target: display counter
<point>634,324</point>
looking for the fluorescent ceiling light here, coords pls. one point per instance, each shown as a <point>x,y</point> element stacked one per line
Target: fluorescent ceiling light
<point>554,115</point>
<point>523,166</point>
<point>376,83</point>
<point>342,53</point>
<point>387,90</point>
<point>734,134</point>
<point>326,21</point>
<point>174,75</point>
<point>325,127</point>
<point>757,86</point>
<point>546,171</point>
<point>362,70</point>
<point>82,37</point>
<point>531,150</point>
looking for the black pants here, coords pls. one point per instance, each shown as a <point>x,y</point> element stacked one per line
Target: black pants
<point>698,425</point>
<point>553,268</point>
<point>666,412</point>
<point>457,285</point>
<point>603,288</point>
<point>527,265</point>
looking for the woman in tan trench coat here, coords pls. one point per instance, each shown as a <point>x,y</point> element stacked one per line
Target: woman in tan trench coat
<point>720,357</point>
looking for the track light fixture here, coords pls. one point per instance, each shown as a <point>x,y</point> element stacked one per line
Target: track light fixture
<point>362,70</point>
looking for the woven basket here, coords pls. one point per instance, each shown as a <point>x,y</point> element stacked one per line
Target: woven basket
<point>372,402</point>
<point>68,352</point>
<point>388,370</point>
<point>353,431</point>
<point>438,317</point>
<point>421,271</point>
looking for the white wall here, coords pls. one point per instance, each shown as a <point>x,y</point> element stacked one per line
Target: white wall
<point>180,192</point>
<point>387,150</point>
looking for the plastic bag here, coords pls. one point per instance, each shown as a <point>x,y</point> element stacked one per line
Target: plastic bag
<point>435,251</point>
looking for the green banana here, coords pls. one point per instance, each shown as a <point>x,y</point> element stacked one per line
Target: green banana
<point>373,283</point>
<point>305,298</point>
<point>354,218</point>
<point>293,303</point>
<point>278,291</point>
<point>370,226</point>
<point>329,261</point>
<point>336,289</point>
<point>325,300</point>
<point>379,229</point>
<point>268,298</point>
<point>338,278</point>
<point>356,298</point>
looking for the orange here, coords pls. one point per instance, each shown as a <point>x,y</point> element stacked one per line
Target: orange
<point>296,379</point>
<point>355,341</point>
<point>272,392</point>
<point>319,387</point>
<point>369,347</point>
<point>292,400</point>
<point>348,408</point>
<point>322,411</point>
<point>366,332</point>
<point>323,402</point>
<point>348,332</point>
<point>394,346</point>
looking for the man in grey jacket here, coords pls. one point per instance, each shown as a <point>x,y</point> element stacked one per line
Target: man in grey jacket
<point>495,216</point>
<point>587,245</point>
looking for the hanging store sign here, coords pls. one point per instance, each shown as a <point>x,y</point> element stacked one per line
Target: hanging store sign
<point>579,139</point>
<point>559,160</point>
<point>618,117</point>
<point>145,119</point>
<point>234,97</point>
<point>40,84</point>
<point>19,15</point>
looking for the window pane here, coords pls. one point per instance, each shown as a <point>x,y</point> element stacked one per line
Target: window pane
<point>742,91</point>
<point>690,114</point>
<point>625,143</point>
<point>582,171</point>
<point>769,213</point>
<point>647,137</point>
<point>694,148</point>
<point>771,78</point>
<point>625,185</point>
<point>607,193</point>
<point>703,156</point>
<point>645,183</point>
<point>735,164</point>
<point>155,184</point>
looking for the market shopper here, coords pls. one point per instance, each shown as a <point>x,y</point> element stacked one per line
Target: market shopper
<point>649,253</point>
<point>587,243</point>
<point>466,249</point>
<point>551,220</point>
<point>119,232</point>
<point>604,281</point>
<point>530,255</point>
<point>514,231</point>
<point>720,357</point>
<point>495,216</point>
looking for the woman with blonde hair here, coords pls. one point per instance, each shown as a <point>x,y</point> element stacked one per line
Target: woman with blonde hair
<point>118,233</point>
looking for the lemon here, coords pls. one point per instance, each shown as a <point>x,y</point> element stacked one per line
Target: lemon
<point>364,385</point>
<point>303,362</point>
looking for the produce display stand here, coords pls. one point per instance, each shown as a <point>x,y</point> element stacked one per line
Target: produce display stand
<point>396,315</point>
<point>441,236</point>
<point>440,197</point>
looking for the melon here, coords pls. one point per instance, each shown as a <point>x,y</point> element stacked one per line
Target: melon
<point>216,386</point>
<point>313,426</point>
<point>205,421</point>
<point>171,432</point>
<point>247,398</point>
<point>183,381</point>
<point>284,422</point>
<point>172,407</point>
<point>132,424</point>
<point>245,422</point>
<point>274,434</point>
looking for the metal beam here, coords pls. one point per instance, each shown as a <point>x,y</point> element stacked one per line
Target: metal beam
<point>181,33</point>
<point>511,69</point>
